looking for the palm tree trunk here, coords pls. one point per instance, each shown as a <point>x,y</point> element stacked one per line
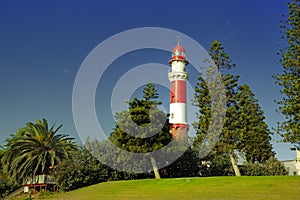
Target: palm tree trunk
<point>234,164</point>
<point>155,168</point>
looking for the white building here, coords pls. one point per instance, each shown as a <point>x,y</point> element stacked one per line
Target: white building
<point>293,166</point>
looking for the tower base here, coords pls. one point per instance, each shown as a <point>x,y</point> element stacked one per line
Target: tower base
<point>179,132</point>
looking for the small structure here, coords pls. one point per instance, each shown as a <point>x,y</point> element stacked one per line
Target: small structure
<point>293,166</point>
<point>38,183</point>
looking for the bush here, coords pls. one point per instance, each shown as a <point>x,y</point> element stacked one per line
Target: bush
<point>187,165</point>
<point>82,171</point>
<point>216,164</point>
<point>271,167</point>
<point>6,188</point>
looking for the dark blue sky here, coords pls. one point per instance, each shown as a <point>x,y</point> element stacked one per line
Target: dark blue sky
<point>43,43</point>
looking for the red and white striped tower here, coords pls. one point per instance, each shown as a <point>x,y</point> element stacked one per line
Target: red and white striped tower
<point>178,109</point>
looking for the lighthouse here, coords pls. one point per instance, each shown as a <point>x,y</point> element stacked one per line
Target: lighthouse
<point>178,109</point>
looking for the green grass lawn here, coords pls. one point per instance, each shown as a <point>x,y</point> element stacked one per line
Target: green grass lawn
<point>276,187</point>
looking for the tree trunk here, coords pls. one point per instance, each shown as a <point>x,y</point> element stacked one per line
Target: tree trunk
<point>155,168</point>
<point>234,164</point>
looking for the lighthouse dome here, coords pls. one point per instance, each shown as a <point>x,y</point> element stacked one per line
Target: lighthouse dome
<point>178,48</point>
<point>178,54</point>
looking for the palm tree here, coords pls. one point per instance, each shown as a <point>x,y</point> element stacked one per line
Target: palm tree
<point>35,148</point>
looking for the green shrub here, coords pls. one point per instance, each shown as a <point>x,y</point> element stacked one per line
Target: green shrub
<point>271,167</point>
<point>82,170</point>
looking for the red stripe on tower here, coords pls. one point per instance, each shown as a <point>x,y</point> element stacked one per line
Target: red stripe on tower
<point>178,91</point>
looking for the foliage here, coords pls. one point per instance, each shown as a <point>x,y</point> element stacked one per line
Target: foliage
<point>143,128</point>
<point>187,165</point>
<point>101,150</point>
<point>82,170</point>
<point>135,127</point>
<point>202,100</point>
<point>34,148</point>
<point>272,167</point>
<point>216,164</point>
<point>244,122</point>
<point>220,56</point>
<point>289,79</point>
<point>1,155</point>
<point>255,137</point>
<point>6,187</point>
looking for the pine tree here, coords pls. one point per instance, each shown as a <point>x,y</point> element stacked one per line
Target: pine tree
<point>230,136</point>
<point>202,100</point>
<point>143,128</point>
<point>289,79</point>
<point>254,133</point>
<point>244,119</point>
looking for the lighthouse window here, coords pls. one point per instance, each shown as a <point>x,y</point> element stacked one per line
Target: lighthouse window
<point>172,115</point>
<point>178,53</point>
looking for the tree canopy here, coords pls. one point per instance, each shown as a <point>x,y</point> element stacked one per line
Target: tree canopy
<point>244,122</point>
<point>289,79</point>
<point>143,128</point>
<point>35,148</point>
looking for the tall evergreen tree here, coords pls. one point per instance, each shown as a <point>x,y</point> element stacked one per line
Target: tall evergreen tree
<point>289,79</point>
<point>202,100</point>
<point>238,131</point>
<point>254,133</point>
<point>143,128</point>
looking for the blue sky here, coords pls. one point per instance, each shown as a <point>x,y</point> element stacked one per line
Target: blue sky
<point>43,43</point>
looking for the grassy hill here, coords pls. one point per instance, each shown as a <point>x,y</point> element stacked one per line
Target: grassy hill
<point>276,187</point>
